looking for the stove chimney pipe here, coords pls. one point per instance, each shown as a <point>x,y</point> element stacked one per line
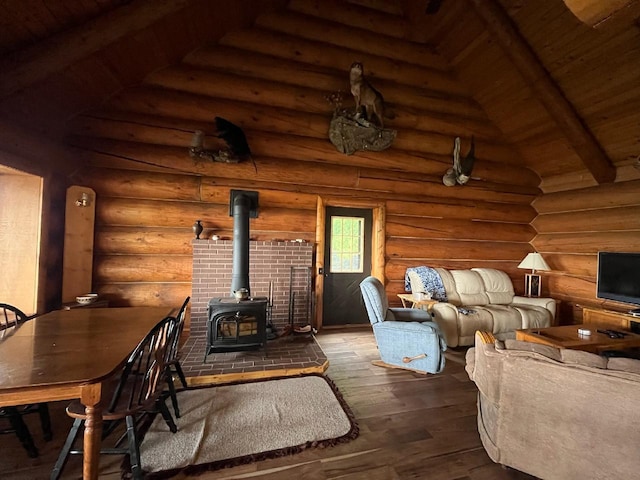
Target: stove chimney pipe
<point>243,205</point>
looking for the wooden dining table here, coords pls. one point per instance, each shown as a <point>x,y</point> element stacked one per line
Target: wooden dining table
<point>67,354</point>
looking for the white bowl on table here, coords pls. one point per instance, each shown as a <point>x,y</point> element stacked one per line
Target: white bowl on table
<point>87,298</point>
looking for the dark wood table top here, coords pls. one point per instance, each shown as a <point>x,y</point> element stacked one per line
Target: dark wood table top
<point>566,336</point>
<point>67,354</point>
<point>71,347</point>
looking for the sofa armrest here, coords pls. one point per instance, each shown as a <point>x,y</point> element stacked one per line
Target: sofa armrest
<point>418,329</point>
<point>487,365</point>
<point>481,339</point>
<point>548,303</point>
<point>446,316</point>
<point>408,315</point>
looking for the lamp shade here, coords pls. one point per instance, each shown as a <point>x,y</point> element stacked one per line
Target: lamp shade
<point>534,261</point>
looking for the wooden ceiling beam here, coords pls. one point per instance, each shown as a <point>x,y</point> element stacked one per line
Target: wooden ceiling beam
<point>44,58</point>
<point>547,91</point>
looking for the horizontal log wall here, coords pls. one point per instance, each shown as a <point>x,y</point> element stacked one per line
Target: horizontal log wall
<point>572,227</point>
<point>272,80</point>
<point>575,222</point>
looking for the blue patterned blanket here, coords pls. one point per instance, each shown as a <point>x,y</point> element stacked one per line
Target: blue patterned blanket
<point>431,280</point>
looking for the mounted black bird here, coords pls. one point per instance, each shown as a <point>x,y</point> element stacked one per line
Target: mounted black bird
<point>234,137</point>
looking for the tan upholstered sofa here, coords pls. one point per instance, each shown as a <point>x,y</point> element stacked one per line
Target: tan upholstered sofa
<point>557,414</point>
<point>483,299</point>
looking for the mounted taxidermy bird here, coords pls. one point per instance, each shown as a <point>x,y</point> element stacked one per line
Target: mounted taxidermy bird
<point>234,137</point>
<point>461,171</point>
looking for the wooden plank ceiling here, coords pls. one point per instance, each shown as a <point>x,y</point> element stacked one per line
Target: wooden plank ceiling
<point>62,59</point>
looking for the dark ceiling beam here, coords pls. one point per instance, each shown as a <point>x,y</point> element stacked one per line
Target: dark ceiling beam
<point>26,67</point>
<point>547,91</point>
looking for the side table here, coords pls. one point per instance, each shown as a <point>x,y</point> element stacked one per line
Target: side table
<point>425,304</point>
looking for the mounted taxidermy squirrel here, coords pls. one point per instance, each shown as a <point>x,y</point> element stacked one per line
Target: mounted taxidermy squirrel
<point>365,95</point>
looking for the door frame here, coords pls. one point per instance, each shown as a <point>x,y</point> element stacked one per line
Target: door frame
<point>378,238</point>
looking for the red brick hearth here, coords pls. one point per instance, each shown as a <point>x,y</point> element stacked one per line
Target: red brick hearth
<point>288,355</point>
<point>281,270</point>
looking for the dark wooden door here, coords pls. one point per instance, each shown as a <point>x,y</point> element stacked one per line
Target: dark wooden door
<point>347,261</point>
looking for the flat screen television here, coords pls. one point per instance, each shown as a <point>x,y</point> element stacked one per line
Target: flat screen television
<point>619,277</point>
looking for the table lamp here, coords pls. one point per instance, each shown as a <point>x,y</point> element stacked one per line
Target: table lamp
<point>534,261</point>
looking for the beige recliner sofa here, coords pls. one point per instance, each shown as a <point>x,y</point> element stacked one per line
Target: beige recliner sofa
<point>557,414</point>
<point>483,299</point>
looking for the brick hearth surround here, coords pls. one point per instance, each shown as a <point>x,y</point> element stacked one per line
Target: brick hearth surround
<point>268,262</point>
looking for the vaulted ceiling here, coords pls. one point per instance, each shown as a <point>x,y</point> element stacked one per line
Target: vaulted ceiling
<point>563,95</point>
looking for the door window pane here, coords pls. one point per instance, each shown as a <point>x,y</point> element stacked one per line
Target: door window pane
<point>347,245</point>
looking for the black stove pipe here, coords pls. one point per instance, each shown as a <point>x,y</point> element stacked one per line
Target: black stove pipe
<point>240,273</point>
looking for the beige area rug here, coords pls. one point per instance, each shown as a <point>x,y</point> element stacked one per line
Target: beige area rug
<point>233,424</point>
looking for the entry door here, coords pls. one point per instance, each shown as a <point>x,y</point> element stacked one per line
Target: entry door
<point>347,261</point>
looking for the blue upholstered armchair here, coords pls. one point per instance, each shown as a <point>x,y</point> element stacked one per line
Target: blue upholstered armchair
<point>406,337</point>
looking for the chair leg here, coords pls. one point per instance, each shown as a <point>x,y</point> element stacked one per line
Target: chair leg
<point>22,432</point>
<point>164,411</point>
<point>172,392</point>
<point>45,421</point>
<point>180,373</point>
<point>134,449</point>
<point>66,448</point>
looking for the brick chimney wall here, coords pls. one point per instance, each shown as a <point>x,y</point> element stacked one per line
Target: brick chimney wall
<point>278,264</point>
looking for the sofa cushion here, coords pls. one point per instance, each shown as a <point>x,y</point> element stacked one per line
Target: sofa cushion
<point>624,364</point>
<point>497,285</point>
<point>505,318</point>
<point>450,286</point>
<point>477,318</point>
<point>470,287</point>
<point>533,316</point>
<point>579,357</point>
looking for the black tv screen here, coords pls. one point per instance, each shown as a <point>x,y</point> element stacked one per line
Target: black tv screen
<point>619,277</point>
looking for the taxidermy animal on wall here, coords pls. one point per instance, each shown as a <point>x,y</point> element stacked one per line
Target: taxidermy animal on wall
<point>365,95</point>
<point>234,137</point>
<point>460,173</point>
<point>237,147</point>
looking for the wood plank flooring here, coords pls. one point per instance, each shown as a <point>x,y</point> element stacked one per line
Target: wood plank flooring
<point>411,427</point>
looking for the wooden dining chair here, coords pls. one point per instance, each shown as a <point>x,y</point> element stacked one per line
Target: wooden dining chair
<point>173,358</point>
<point>10,319</point>
<point>136,391</point>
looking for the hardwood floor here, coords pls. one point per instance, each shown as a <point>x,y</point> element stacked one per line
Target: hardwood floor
<point>411,427</point>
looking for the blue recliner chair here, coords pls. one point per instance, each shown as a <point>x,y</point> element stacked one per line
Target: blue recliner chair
<point>406,337</point>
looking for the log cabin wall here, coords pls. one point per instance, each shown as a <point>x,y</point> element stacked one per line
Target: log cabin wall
<point>573,226</point>
<point>444,75</point>
<point>272,80</point>
<point>576,216</point>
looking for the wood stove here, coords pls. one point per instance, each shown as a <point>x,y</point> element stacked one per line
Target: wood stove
<point>238,324</point>
<point>235,325</point>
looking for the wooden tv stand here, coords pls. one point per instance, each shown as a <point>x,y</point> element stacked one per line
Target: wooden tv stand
<point>608,317</point>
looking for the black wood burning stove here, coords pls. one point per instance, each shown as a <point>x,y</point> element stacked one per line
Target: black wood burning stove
<point>235,325</point>
<point>238,324</point>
